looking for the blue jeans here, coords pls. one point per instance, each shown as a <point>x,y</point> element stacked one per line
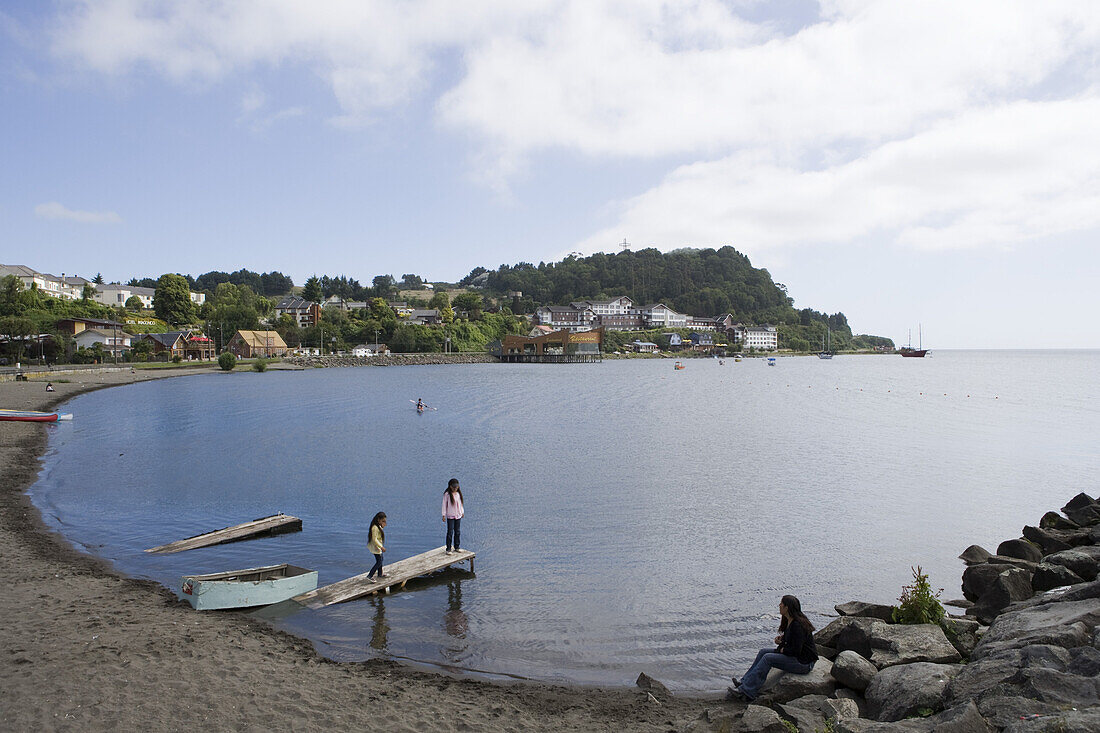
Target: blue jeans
<point>377,567</point>
<point>454,532</point>
<point>765,660</point>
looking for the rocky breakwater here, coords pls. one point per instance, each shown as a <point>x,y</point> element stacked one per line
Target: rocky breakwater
<point>389,360</point>
<point>1024,658</point>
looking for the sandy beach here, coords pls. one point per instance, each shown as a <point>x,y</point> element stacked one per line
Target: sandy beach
<point>85,648</point>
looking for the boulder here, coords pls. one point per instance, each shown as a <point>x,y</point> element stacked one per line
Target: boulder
<point>977,579</point>
<point>759,719</point>
<point>1011,585</point>
<point>965,718</point>
<point>828,635</point>
<point>1002,711</point>
<point>852,670</point>
<point>826,652</point>
<point>1045,539</point>
<point>1084,661</point>
<point>652,686</point>
<point>1058,688</point>
<point>904,690</point>
<point>893,644</point>
<point>1081,563</point>
<point>864,609</point>
<point>782,687</point>
<point>805,712</point>
<point>856,637</point>
<point>1054,520</point>
<point>1074,721</point>
<point>1065,623</point>
<point>1080,501</point>
<point>1015,562</point>
<point>840,708</point>
<point>1048,576</point>
<point>844,693</point>
<point>959,603</point>
<point>1082,510</point>
<point>962,633</point>
<point>1021,549</point>
<point>975,555</point>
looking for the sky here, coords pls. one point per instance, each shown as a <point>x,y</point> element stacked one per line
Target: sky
<point>906,163</point>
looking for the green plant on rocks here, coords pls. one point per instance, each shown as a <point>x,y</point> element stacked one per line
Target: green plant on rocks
<point>918,603</point>
<point>227,360</point>
<point>789,726</point>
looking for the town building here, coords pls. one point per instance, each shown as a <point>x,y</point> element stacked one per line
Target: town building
<point>187,345</point>
<point>762,338</point>
<point>424,316</point>
<point>73,326</point>
<point>562,346</point>
<point>114,341</point>
<point>644,347</point>
<point>304,312</point>
<point>116,295</point>
<point>64,288</point>
<point>565,318</point>
<point>251,344</point>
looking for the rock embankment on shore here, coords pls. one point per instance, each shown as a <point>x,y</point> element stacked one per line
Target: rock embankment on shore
<point>389,360</point>
<point>1024,658</point>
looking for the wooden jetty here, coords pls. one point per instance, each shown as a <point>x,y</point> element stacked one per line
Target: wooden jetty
<point>399,573</point>
<point>264,526</point>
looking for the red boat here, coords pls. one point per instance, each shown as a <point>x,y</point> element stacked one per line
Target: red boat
<point>909,350</point>
<point>32,416</point>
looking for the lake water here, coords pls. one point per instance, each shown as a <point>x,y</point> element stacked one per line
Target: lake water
<point>626,516</point>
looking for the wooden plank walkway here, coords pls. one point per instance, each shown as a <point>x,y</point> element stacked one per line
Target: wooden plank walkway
<point>399,573</point>
<point>275,524</point>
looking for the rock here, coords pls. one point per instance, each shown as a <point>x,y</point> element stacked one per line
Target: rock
<point>840,708</point>
<point>962,633</point>
<point>893,644</point>
<point>1074,721</point>
<point>1064,623</point>
<point>1021,549</point>
<point>711,722</point>
<point>782,687</point>
<point>965,718</point>
<point>828,635</point>
<point>826,652</point>
<point>857,637</point>
<point>975,555</point>
<point>1013,561</point>
<point>1058,688</point>
<point>852,670</point>
<point>959,603</point>
<point>805,712</point>
<point>759,719</point>
<point>1045,539</point>
<point>863,609</point>
<point>1082,510</point>
<point>1054,520</point>
<point>977,579</point>
<point>1048,576</point>
<point>1084,661</point>
<point>1080,501</point>
<point>651,685</point>
<point>1003,711</point>
<point>1081,563</point>
<point>904,690</point>
<point>1011,585</point>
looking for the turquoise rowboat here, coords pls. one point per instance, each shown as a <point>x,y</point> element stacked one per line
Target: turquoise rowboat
<point>32,416</point>
<point>248,587</point>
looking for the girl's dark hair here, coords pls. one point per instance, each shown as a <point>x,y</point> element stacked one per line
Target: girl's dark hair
<point>453,484</point>
<point>378,521</point>
<point>794,610</point>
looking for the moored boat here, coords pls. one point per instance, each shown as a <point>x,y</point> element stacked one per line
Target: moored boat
<point>909,351</point>
<point>33,416</point>
<point>249,587</point>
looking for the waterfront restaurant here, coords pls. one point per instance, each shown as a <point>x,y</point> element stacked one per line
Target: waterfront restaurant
<point>555,347</point>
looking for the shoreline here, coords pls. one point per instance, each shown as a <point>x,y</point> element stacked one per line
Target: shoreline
<point>85,647</point>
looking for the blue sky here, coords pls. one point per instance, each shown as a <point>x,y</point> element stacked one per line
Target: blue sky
<point>902,162</point>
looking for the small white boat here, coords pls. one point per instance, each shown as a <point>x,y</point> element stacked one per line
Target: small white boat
<point>249,587</point>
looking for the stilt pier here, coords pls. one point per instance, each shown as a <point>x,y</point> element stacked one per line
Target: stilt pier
<point>397,575</point>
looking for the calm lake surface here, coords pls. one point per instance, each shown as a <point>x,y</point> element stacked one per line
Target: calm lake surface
<point>626,517</point>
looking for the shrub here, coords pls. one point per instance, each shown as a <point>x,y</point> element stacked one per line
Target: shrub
<point>227,360</point>
<point>260,365</point>
<point>176,359</point>
<point>918,603</point>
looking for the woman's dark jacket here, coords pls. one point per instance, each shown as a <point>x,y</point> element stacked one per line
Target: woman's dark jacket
<point>799,643</point>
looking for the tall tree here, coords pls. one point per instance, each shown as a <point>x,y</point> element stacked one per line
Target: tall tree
<point>98,279</point>
<point>311,291</point>
<point>172,300</point>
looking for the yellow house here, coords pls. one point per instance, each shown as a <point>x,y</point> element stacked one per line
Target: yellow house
<point>250,344</point>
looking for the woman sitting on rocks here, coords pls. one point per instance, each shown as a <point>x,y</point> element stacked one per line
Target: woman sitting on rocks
<point>795,653</point>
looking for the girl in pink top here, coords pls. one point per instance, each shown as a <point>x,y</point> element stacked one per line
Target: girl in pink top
<point>452,514</point>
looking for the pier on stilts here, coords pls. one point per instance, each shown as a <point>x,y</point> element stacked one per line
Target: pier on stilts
<point>398,574</point>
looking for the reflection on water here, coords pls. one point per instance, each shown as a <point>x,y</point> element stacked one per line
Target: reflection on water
<point>627,517</point>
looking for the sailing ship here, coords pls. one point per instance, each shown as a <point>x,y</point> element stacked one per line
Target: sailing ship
<point>826,353</point>
<point>920,351</point>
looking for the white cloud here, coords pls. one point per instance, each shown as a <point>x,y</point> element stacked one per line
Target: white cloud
<point>937,123</point>
<point>54,210</point>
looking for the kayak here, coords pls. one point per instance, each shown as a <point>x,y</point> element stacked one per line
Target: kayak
<point>33,416</point>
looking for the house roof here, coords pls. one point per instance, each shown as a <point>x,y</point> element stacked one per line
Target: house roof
<point>168,339</point>
<point>93,322</point>
<point>269,339</point>
<point>105,334</point>
<point>293,302</point>
<point>425,313</point>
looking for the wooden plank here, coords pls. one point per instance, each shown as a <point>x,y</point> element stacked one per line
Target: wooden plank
<point>398,574</point>
<point>275,524</point>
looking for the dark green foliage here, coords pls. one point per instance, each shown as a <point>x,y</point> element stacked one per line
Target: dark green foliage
<point>227,360</point>
<point>918,603</point>
<point>172,300</point>
<point>260,365</point>
<point>311,291</point>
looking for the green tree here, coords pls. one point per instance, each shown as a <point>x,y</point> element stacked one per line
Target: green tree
<point>98,279</point>
<point>133,303</point>
<point>469,302</point>
<point>88,293</point>
<point>227,360</point>
<point>172,300</point>
<point>439,301</point>
<point>311,291</point>
<point>384,285</point>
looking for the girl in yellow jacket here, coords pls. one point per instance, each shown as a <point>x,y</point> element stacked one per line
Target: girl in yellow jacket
<point>376,544</point>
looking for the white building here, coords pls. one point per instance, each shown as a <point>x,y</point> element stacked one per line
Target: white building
<point>65,288</point>
<point>659,315</point>
<point>116,294</point>
<point>114,342</point>
<point>565,318</point>
<point>765,338</point>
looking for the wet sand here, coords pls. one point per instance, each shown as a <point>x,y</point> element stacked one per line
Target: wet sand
<point>84,648</point>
